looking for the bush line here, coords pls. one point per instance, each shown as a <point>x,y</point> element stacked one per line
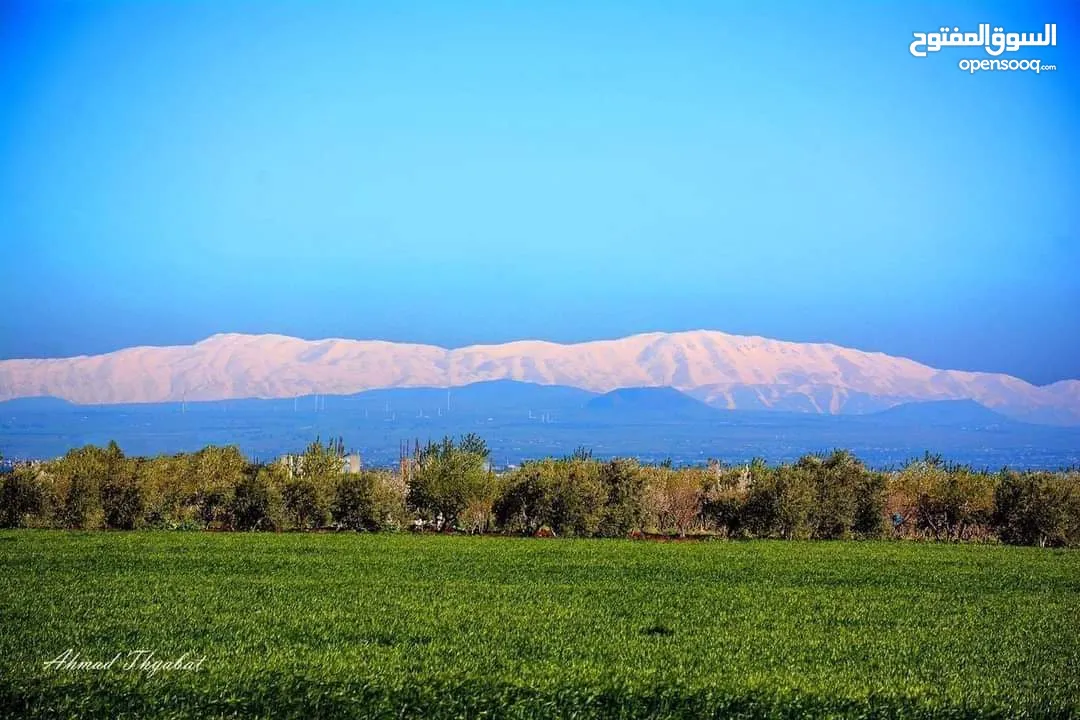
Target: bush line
<point>449,486</point>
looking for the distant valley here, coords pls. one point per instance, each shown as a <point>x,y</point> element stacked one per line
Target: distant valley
<point>521,421</point>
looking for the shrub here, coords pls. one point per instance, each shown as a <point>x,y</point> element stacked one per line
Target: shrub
<point>303,504</point>
<point>624,507</point>
<point>354,502</point>
<point>76,481</point>
<point>674,498</point>
<point>946,502</point>
<point>215,472</point>
<point>724,504</point>
<point>78,505</point>
<point>121,503</point>
<point>796,493</point>
<point>835,479</point>
<point>869,520</point>
<point>255,504</point>
<point>760,509</point>
<point>477,516</point>
<point>446,478</point>
<point>1037,509</point>
<point>850,499</point>
<point>388,492</point>
<point>566,495</point>
<point>310,483</point>
<point>21,496</point>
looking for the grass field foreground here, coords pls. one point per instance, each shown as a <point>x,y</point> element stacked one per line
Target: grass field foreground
<point>354,625</point>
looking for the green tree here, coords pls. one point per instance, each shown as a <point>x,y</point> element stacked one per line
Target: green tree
<point>77,481</point>
<point>167,503</point>
<point>796,492</point>
<point>304,506</point>
<point>761,508</point>
<point>254,504</point>
<point>624,507</point>
<point>849,498</point>
<point>448,478</point>
<point>1037,508</point>
<point>727,493</point>
<point>869,521</point>
<point>216,472</point>
<point>308,494</point>
<point>121,502</point>
<point>353,506</point>
<point>946,502</point>
<point>388,493</point>
<point>21,497</point>
<point>834,479</point>
<point>566,495</point>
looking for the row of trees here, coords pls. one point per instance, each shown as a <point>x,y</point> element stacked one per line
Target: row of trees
<point>451,485</point>
<point>214,488</point>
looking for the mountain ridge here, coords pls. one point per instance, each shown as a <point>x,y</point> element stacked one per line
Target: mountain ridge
<point>722,370</point>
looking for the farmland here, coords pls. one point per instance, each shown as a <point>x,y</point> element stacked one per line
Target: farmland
<point>401,625</point>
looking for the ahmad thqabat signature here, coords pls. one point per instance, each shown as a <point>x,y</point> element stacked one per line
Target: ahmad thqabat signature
<point>144,661</point>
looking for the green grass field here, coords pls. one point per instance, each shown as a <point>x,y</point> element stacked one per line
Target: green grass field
<point>346,625</point>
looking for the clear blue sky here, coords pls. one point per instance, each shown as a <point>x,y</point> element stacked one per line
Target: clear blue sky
<point>455,173</point>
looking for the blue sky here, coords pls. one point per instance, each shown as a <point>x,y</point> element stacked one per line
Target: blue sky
<point>455,173</point>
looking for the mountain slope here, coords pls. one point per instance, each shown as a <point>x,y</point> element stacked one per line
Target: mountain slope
<point>727,371</point>
<point>649,403</point>
<point>952,413</point>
